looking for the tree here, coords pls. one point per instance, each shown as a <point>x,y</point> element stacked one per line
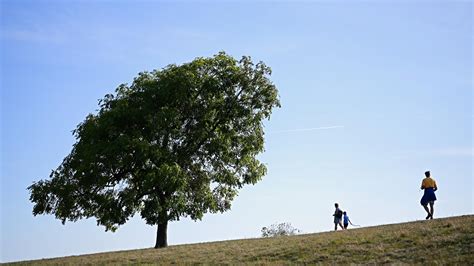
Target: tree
<point>282,229</point>
<point>178,142</point>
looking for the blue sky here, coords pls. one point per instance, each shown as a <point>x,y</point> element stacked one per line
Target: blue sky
<point>392,81</point>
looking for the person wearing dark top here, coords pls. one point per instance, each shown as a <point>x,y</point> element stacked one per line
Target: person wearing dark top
<point>337,217</point>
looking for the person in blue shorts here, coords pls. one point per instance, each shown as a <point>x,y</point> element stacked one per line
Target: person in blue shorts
<point>337,217</point>
<point>429,197</point>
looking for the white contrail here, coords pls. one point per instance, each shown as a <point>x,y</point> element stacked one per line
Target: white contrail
<point>305,129</point>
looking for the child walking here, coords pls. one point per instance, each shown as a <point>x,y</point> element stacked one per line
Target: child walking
<point>346,220</point>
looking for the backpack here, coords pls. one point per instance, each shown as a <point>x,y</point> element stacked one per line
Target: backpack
<point>339,213</point>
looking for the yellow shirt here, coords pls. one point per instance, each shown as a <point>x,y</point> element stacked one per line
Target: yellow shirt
<point>428,182</point>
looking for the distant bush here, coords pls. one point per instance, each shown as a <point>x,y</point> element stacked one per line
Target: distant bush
<point>283,229</point>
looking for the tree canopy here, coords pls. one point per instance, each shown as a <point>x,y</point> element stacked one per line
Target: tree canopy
<point>177,142</point>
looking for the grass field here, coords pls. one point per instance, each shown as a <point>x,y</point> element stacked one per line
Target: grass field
<point>439,241</point>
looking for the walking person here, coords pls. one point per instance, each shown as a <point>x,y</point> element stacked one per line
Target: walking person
<point>346,220</point>
<point>429,197</point>
<point>337,217</point>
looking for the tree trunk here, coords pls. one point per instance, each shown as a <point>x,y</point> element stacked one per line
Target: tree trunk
<point>161,235</point>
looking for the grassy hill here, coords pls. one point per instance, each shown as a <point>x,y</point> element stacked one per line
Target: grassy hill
<point>447,240</point>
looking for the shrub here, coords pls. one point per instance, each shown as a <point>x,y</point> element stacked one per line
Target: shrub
<point>282,229</point>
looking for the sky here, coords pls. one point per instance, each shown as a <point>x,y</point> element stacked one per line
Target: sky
<point>373,94</point>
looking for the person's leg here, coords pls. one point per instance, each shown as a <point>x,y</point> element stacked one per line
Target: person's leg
<point>431,209</point>
<point>340,224</point>
<point>335,226</point>
<point>427,211</point>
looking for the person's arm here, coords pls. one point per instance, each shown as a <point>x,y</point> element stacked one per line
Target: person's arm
<point>435,186</point>
<point>423,184</point>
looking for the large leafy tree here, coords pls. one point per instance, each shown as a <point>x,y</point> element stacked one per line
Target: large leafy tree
<point>178,142</point>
